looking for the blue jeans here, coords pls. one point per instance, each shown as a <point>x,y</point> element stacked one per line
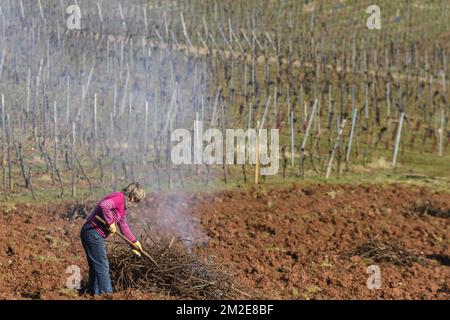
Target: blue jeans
<point>94,246</point>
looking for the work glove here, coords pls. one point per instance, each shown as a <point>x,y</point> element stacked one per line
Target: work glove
<point>138,248</point>
<point>112,228</point>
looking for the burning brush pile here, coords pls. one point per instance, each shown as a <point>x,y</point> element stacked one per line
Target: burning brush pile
<point>177,272</point>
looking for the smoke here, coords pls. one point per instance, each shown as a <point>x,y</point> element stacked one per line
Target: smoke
<point>171,216</point>
<point>117,89</point>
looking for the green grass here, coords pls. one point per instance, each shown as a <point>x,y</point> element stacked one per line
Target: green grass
<point>72,293</point>
<point>310,291</point>
<point>326,263</point>
<point>42,258</point>
<point>414,169</point>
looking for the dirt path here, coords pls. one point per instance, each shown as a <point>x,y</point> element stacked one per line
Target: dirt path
<point>296,243</point>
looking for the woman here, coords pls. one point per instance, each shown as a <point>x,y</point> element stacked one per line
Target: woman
<point>112,210</point>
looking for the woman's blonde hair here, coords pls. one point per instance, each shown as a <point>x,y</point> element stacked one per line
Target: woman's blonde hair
<point>134,192</point>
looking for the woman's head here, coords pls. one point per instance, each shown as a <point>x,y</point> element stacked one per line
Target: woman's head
<point>134,193</point>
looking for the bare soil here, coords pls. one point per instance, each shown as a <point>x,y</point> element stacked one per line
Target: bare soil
<point>300,242</point>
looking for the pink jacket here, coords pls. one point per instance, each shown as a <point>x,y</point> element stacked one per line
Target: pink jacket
<point>112,209</point>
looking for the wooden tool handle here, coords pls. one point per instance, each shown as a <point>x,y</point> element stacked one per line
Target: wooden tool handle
<point>129,242</point>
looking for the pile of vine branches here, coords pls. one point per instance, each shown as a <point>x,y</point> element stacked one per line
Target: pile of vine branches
<point>177,272</point>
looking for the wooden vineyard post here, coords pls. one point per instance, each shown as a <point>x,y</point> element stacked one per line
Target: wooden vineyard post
<point>30,183</point>
<point>185,33</point>
<point>330,105</point>
<point>130,106</point>
<point>397,140</point>
<point>352,132</point>
<point>100,14</point>
<point>121,60</point>
<point>441,134</point>
<point>442,117</point>
<point>275,106</point>
<point>292,138</point>
<point>336,145</point>
<point>8,149</point>
<point>388,114</point>
<point>168,160</point>
<point>3,147</point>
<point>81,111</point>
<point>72,159</point>
<point>95,126</point>
<point>55,136</point>
<point>68,101</point>
<point>259,126</point>
<point>257,153</point>
<point>144,149</point>
<point>366,120</point>
<point>250,111</point>
<point>28,94</point>
<point>308,129</point>
<point>125,91</point>
<point>266,64</point>
<point>197,168</point>
<point>223,123</point>
<point>111,146</point>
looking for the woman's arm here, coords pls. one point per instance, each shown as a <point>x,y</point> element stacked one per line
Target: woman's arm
<point>107,207</point>
<point>125,229</point>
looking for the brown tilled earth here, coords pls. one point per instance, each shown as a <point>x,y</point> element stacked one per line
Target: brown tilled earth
<point>301,242</point>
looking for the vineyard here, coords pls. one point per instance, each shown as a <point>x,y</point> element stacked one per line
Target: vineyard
<point>86,111</point>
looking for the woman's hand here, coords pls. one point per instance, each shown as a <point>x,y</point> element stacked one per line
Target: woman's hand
<point>112,228</point>
<point>137,245</point>
<point>138,248</point>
